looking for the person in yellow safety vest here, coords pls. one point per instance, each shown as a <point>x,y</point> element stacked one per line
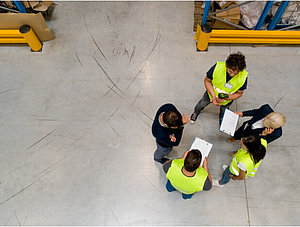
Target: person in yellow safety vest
<point>186,175</point>
<point>245,161</point>
<point>224,82</point>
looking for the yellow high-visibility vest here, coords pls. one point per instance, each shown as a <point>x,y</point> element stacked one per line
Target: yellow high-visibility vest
<point>244,157</point>
<point>219,81</point>
<point>182,183</point>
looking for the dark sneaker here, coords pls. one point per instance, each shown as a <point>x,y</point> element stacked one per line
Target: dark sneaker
<point>193,118</point>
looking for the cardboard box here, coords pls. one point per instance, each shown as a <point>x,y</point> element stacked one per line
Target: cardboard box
<point>198,14</point>
<point>232,15</point>
<point>31,6</point>
<point>36,21</point>
<point>220,24</point>
<point>225,4</point>
<point>40,6</point>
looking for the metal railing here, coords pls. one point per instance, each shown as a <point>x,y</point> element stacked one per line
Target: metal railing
<point>205,34</point>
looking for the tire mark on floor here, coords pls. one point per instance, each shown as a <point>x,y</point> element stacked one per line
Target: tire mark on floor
<point>279,100</point>
<point>108,77</point>
<point>40,140</point>
<point>98,47</point>
<point>113,113</point>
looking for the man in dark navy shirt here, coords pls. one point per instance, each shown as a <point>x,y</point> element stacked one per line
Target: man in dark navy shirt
<point>167,129</point>
<point>224,82</point>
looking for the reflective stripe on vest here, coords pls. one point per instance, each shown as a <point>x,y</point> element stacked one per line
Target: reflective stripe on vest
<point>233,169</point>
<point>244,157</point>
<point>184,184</point>
<point>219,80</point>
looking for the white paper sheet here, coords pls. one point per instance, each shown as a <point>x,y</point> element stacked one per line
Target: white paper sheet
<point>203,146</point>
<point>229,122</point>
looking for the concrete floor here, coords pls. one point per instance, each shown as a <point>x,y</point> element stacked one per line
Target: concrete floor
<point>76,142</point>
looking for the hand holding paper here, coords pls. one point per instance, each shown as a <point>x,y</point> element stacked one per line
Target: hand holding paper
<point>203,146</point>
<point>229,122</point>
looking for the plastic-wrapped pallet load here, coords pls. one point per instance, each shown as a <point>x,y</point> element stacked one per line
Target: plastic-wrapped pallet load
<point>251,12</point>
<point>291,15</point>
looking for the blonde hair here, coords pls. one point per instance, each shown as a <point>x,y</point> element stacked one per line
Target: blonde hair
<point>274,120</point>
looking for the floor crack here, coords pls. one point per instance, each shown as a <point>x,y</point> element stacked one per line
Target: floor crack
<point>247,204</point>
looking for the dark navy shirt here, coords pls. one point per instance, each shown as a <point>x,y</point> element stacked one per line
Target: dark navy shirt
<point>210,72</point>
<point>162,134</point>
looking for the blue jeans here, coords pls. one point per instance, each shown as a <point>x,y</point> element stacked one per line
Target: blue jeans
<point>170,188</point>
<point>161,152</point>
<point>226,176</point>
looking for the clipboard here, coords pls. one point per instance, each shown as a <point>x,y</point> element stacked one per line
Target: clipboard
<point>229,122</point>
<point>203,146</point>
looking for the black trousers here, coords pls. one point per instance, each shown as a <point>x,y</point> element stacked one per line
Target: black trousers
<point>206,101</point>
<point>244,130</point>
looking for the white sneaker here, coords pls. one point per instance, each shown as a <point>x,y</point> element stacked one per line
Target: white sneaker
<point>224,166</point>
<point>216,183</point>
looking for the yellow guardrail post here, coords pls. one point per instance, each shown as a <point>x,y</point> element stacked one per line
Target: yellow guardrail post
<point>30,37</point>
<point>203,35</point>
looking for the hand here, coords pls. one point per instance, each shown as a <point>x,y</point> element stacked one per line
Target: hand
<point>205,163</point>
<point>214,101</point>
<point>232,177</point>
<point>173,138</point>
<point>267,131</point>
<point>185,154</point>
<point>220,100</point>
<point>185,118</point>
<point>239,113</point>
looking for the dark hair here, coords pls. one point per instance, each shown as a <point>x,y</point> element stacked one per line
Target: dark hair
<point>192,160</point>
<point>172,119</point>
<point>255,148</point>
<point>236,61</point>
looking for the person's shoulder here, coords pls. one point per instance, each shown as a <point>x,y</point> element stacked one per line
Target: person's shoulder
<point>278,131</point>
<point>266,108</point>
<point>209,73</point>
<point>168,106</point>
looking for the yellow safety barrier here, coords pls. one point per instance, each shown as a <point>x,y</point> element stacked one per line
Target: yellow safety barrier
<point>206,35</point>
<point>24,34</point>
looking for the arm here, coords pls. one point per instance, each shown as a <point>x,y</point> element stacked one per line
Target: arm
<point>170,137</point>
<point>184,155</point>
<point>206,169</point>
<point>167,165</point>
<point>236,95</point>
<point>209,87</point>
<point>265,109</point>
<point>272,136</point>
<point>241,176</point>
<point>177,134</point>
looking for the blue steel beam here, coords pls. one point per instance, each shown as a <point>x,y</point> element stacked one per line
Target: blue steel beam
<point>263,15</point>
<point>278,14</point>
<point>20,6</point>
<point>205,13</point>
